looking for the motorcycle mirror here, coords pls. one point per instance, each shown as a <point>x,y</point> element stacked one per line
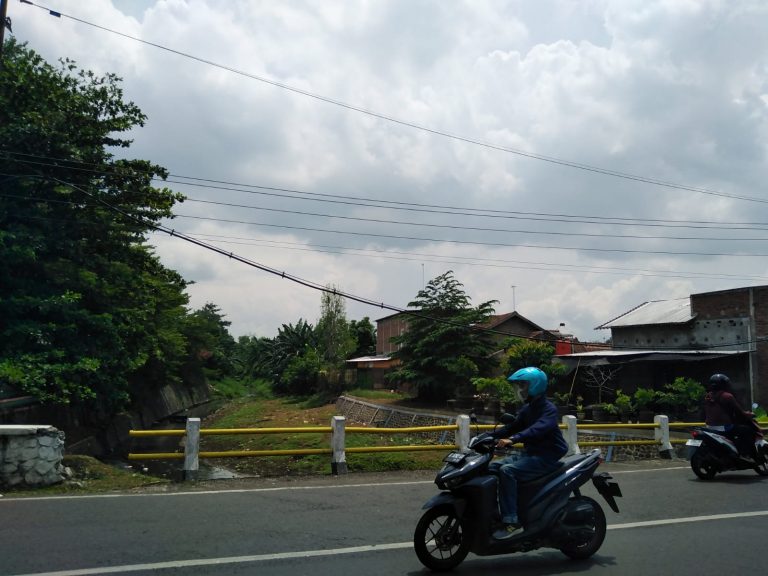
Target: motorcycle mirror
<point>508,418</point>
<point>473,418</point>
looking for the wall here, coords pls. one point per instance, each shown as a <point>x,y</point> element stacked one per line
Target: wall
<point>387,328</point>
<point>751,304</point>
<point>30,455</point>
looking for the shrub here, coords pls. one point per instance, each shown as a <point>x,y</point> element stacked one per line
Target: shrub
<point>645,398</point>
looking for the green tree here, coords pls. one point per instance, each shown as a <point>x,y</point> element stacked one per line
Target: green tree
<point>442,350</point>
<point>87,312</point>
<point>334,339</point>
<point>209,343</point>
<point>292,341</point>
<point>364,334</point>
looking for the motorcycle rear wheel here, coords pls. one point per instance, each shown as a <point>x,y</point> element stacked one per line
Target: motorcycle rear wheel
<point>701,465</point>
<point>441,540</point>
<point>596,528</point>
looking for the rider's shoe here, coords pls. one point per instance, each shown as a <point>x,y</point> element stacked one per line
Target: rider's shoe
<point>508,531</point>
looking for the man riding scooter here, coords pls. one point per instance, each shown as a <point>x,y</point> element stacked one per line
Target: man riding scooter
<point>536,426</point>
<point>724,413</point>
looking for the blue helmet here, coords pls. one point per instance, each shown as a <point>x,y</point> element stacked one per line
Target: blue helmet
<point>537,380</point>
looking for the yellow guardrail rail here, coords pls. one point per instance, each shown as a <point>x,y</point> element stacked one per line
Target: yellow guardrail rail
<point>462,430</point>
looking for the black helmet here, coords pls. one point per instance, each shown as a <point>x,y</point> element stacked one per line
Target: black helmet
<point>719,382</point>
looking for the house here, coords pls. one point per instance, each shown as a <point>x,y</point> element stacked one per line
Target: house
<point>371,369</point>
<point>723,331</point>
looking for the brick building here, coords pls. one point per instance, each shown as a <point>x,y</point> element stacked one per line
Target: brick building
<point>723,331</point>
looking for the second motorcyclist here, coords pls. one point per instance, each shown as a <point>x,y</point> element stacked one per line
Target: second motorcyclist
<point>724,413</point>
<point>536,426</point>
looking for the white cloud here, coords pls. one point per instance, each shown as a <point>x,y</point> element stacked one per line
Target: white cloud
<point>674,91</point>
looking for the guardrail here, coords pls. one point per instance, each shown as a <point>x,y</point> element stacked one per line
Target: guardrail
<point>338,449</point>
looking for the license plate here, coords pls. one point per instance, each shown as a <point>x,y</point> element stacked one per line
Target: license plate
<point>693,443</point>
<point>454,457</point>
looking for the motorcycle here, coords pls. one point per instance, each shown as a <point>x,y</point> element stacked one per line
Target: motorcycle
<point>712,451</point>
<point>554,514</point>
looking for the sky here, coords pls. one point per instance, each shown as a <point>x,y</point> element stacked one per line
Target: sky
<point>569,159</point>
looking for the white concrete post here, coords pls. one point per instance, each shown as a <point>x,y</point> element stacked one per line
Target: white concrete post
<point>571,434</point>
<point>339,456</point>
<point>462,432</point>
<point>192,449</point>
<point>661,435</point>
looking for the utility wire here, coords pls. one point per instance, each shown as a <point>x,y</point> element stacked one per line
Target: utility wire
<point>469,242</point>
<point>392,119</point>
<point>476,262</point>
<point>289,193</point>
<point>319,287</point>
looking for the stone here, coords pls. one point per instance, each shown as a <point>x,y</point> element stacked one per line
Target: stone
<point>46,453</point>
<point>27,465</point>
<point>32,478</point>
<point>43,467</point>
<point>46,440</point>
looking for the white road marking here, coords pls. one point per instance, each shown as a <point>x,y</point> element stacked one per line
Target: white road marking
<point>340,551</point>
<point>233,491</point>
<point>689,519</point>
<point>283,488</point>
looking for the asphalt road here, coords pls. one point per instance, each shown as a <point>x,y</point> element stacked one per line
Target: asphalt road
<point>670,522</point>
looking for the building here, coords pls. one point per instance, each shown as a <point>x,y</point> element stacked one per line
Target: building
<point>371,369</point>
<point>723,331</point>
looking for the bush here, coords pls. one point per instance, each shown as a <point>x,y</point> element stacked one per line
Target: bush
<point>682,395</point>
<point>645,398</point>
<point>500,388</point>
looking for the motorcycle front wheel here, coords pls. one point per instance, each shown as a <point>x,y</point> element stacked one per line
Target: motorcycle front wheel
<point>592,535</point>
<point>441,540</point>
<point>702,466</point>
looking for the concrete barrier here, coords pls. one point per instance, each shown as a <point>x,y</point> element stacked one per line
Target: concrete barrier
<point>30,455</point>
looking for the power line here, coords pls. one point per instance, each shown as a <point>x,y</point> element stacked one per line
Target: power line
<point>417,207</point>
<point>468,242</point>
<point>319,287</point>
<point>472,228</point>
<point>470,261</point>
<point>392,119</point>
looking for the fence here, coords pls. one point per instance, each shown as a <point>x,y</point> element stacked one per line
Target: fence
<point>338,430</point>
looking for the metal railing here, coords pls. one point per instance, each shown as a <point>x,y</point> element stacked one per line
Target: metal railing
<point>338,449</point>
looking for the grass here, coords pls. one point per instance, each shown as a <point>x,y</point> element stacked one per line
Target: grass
<point>292,412</point>
<point>90,476</point>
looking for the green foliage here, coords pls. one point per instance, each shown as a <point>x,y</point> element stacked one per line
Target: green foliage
<point>623,402</point>
<point>499,387</point>
<point>441,351</point>
<point>88,314</point>
<point>230,387</point>
<point>682,395</point>
<point>208,341</point>
<point>645,398</point>
<point>761,415</point>
<point>522,353</point>
<point>334,338</point>
<point>302,374</point>
<point>364,334</point>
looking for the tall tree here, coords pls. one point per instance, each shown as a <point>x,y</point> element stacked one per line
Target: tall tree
<point>364,334</point>
<point>442,349</point>
<point>86,308</point>
<point>333,336</point>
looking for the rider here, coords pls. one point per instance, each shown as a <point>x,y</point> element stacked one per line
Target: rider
<point>724,413</point>
<point>536,426</point>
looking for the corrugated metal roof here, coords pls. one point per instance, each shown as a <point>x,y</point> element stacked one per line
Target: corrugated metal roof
<point>677,311</point>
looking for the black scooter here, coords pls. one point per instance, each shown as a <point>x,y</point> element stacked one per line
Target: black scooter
<point>554,514</point>
<point>713,451</point>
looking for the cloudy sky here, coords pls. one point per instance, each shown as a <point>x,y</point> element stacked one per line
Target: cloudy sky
<point>570,159</point>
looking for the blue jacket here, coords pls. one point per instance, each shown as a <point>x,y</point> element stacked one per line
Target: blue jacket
<point>537,428</point>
